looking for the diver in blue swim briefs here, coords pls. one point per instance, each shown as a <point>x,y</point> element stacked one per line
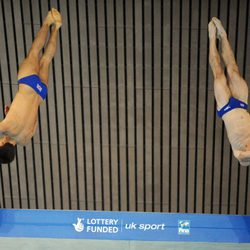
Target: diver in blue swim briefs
<point>20,121</point>
<point>231,93</point>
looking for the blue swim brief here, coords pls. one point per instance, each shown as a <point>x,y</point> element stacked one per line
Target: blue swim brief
<point>232,104</point>
<point>35,83</point>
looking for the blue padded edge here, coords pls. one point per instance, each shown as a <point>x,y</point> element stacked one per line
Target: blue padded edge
<point>124,226</point>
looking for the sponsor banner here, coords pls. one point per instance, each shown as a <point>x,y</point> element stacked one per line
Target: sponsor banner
<point>124,226</point>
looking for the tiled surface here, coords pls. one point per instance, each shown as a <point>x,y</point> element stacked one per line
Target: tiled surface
<point>105,139</point>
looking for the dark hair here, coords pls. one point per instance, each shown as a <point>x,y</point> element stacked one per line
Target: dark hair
<point>7,153</point>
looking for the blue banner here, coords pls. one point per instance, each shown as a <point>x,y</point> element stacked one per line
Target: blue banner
<point>124,226</point>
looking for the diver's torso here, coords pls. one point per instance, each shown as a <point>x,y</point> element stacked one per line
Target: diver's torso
<point>22,115</point>
<point>237,123</point>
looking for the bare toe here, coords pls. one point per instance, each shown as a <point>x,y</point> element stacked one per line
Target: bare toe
<point>211,30</point>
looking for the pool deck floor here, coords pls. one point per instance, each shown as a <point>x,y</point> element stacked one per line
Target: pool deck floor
<point>68,244</point>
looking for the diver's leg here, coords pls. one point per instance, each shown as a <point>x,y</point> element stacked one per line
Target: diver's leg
<point>221,90</point>
<point>237,84</point>
<point>50,49</point>
<point>30,65</point>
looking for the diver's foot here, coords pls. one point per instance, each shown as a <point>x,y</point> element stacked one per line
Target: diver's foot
<point>57,18</point>
<point>221,33</point>
<point>49,20</point>
<point>211,30</point>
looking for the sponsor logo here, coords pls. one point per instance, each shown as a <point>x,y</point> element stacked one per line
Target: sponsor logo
<point>39,87</point>
<point>227,107</point>
<point>145,227</point>
<point>79,227</point>
<point>96,225</point>
<point>184,227</point>
<point>112,226</point>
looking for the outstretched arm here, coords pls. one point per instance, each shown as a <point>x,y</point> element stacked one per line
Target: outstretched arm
<point>3,127</point>
<point>34,128</point>
<point>30,135</point>
<point>243,157</point>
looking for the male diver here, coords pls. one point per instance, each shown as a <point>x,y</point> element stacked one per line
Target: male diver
<point>20,121</point>
<point>231,93</point>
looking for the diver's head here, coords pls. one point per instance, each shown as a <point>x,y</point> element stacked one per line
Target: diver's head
<point>7,150</point>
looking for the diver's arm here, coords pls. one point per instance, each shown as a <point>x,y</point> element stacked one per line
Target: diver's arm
<point>243,157</point>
